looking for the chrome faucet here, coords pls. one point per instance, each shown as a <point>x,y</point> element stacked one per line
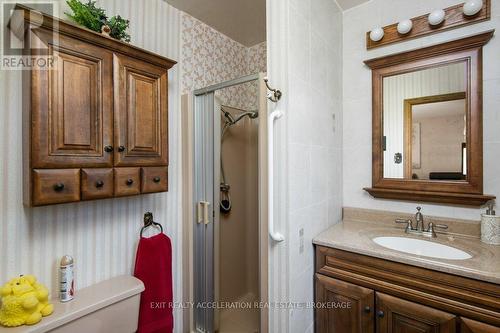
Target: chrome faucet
<point>420,229</point>
<point>419,218</point>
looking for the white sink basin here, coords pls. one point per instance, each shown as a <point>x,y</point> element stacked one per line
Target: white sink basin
<point>422,248</point>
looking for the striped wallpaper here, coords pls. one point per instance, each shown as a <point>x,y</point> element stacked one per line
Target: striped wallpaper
<point>100,235</point>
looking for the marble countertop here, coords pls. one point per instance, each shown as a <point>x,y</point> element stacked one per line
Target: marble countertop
<point>356,236</point>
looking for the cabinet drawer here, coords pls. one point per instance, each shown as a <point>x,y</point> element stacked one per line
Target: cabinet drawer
<point>97,183</point>
<point>154,179</point>
<point>55,186</point>
<point>127,181</point>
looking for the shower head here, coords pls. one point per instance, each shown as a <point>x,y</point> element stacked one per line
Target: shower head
<point>232,120</point>
<point>250,114</point>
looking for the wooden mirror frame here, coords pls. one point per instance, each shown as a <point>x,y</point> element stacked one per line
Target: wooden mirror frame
<point>468,192</point>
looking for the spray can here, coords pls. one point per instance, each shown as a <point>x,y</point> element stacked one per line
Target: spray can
<point>66,279</point>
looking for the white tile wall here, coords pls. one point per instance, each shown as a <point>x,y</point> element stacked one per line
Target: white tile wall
<point>314,121</point>
<point>357,99</point>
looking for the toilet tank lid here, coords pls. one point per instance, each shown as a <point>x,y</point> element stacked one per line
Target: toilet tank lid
<point>87,300</point>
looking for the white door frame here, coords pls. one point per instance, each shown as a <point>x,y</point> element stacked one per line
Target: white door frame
<point>277,30</point>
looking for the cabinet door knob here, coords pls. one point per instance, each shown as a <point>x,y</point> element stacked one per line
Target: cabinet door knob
<point>121,149</point>
<point>130,181</point>
<point>156,179</point>
<point>99,184</point>
<point>58,187</point>
<point>380,314</point>
<point>367,309</point>
<point>108,149</point>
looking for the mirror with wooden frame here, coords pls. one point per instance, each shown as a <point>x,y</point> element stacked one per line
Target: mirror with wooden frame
<point>427,123</point>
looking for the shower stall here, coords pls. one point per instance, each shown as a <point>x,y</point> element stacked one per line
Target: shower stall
<point>229,227</point>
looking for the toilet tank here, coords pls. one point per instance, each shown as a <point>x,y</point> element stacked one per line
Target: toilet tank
<point>106,307</point>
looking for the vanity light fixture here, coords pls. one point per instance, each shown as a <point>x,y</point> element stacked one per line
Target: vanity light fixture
<point>440,19</point>
<point>436,17</point>
<point>377,34</point>
<point>472,7</point>
<point>405,26</point>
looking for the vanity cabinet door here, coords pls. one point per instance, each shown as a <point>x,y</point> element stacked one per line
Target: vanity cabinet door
<point>394,315</point>
<point>141,113</point>
<point>344,307</point>
<point>72,105</point>
<point>472,326</point>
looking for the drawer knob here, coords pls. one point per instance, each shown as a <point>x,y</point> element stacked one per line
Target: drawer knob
<point>380,314</point>
<point>156,179</point>
<point>99,184</point>
<point>58,187</point>
<point>130,181</point>
<point>367,309</point>
<point>108,149</point>
<point>121,149</point>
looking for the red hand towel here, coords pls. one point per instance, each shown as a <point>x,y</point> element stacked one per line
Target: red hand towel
<point>153,266</point>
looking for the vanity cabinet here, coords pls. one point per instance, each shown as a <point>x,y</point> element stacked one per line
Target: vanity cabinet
<point>356,293</point>
<point>95,125</point>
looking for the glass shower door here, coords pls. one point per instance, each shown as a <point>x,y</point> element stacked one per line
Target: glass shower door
<point>204,152</point>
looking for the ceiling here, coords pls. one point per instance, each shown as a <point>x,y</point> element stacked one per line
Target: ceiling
<point>242,20</point>
<point>346,4</point>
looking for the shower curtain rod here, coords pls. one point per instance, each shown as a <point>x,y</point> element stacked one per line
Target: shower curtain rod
<point>243,110</point>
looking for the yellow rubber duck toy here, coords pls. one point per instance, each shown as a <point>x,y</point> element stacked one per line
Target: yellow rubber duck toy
<point>23,302</point>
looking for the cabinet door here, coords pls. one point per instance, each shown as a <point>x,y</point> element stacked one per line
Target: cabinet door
<point>71,105</point>
<point>141,113</point>
<point>396,315</point>
<point>472,326</point>
<point>343,307</point>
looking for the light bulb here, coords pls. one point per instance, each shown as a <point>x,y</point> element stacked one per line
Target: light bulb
<point>472,7</point>
<point>377,34</point>
<point>405,26</point>
<point>436,17</point>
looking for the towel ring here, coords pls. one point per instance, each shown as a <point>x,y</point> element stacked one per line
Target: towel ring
<point>148,222</point>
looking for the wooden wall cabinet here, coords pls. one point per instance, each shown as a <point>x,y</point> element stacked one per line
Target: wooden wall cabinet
<point>360,294</point>
<point>96,124</point>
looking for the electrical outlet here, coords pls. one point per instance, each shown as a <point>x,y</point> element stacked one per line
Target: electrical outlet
<point>301,240</point>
